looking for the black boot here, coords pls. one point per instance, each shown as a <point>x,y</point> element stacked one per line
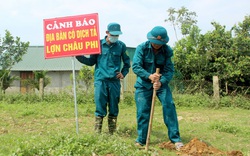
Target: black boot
<point>112,124</point>
<point>98,124</point>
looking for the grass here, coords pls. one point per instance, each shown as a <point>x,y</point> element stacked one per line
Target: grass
<point>49,128</point>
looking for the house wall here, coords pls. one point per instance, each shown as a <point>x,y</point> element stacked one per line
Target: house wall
<point>15,86</point>
<point>60,80</point>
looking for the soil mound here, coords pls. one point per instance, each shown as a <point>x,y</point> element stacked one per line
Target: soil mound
<point>197,147</point>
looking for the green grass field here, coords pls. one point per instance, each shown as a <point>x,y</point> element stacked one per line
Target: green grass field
<point>49,128</point>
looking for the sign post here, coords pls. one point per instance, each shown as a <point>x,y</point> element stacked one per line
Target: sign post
<point>75,99</point>
<point>71,36</point>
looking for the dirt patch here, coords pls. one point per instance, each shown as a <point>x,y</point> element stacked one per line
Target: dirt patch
<point>198,148</point>
<point>3,131</point>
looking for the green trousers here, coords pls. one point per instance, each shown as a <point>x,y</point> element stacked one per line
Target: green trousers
<point>143,98</point>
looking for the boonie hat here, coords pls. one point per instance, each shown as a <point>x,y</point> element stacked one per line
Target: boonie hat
<point>158,35</point>
<point>114,29</point>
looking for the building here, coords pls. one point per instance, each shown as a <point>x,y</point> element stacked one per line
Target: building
<point>58,69</point>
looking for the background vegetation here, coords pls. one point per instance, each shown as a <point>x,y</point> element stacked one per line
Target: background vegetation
<point>220,52</point>
<point>11,52</point>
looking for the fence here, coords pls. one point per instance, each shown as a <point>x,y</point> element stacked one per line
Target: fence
<point>182,86</point>
<point>187,86</point>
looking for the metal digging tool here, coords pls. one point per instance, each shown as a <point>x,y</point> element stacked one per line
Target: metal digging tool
<point>151,114</point>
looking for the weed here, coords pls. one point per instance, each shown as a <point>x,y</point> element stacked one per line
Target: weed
<point>225,127</point>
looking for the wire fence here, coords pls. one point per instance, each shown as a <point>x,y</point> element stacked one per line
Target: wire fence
<point>179,86</point>
<point>182,86</point>
<point>188,86</point>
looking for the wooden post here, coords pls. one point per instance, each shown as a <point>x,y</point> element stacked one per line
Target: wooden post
<point>41,88</point>
<point>226,84</point>
<point>216,89</point>
<point>122,90</point>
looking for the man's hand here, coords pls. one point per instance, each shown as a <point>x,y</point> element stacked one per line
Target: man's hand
<point>119,75</point>
<point>157,85</point>
<point>154,77</point>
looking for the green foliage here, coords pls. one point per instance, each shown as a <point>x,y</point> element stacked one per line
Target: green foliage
<point>216,53</point>
<point>183,100</point>
<point>51,97</point>
<point>222,126</point>
<point>242,46</point>
<point>6,79</point>
<point>182,18</point>
<point>187,100</point>
<point>87,144</point>
<point>235,102</point>
<point>187,61</point>
<point>85,98</point>
<point>35,82</point>
<point>34,98</point>
<point>204,100</point>
<point>243,36</point>
<point>128,99</point>
<point>62,96</point>
<point>11,50</point>
<point>19,98</point>
<point>85,75</point>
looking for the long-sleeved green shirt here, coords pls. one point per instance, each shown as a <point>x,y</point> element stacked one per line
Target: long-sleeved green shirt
<point>145,63</point>
<point>109,62</point>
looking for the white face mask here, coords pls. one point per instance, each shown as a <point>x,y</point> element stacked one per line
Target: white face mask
<point>113,39</point>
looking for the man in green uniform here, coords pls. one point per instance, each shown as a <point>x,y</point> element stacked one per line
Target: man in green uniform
<point>108,72</point>
<point>152,54</point>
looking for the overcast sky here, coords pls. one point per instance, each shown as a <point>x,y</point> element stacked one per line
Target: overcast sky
<point>24,18</point>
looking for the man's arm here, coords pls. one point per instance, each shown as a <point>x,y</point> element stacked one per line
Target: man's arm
<point>90,61</point>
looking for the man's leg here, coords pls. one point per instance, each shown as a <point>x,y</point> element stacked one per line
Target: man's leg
<point>98,124</point>
<point>143,100</point>
<point>114,99</point>
<point>169,114</point>
<point>101,104</point>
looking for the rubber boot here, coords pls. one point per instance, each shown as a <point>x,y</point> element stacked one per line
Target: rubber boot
<point>112,124</point>
<point>98,124</point>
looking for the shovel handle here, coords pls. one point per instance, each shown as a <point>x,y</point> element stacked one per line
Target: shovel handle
<point>151,114</point>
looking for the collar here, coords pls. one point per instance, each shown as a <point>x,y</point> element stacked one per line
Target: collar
<point>104,40</point>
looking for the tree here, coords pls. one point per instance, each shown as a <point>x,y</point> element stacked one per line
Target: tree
<point>187,60</point>
<point>242,36</point>
<point>6,80</point>
<point>242,46</point>
<point>220,54</point>
<point>182,18</point>
<point>217,52</point>
<point>86,75</point>
<point>11,52</point>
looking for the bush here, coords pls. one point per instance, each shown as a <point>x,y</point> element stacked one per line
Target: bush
<point>189,100</point>
<point>88,144</point>
<point>225,127</point>
<point>128,99</point>
<point>182,100</point>
<point>235,101</point>
<point>85,98</point>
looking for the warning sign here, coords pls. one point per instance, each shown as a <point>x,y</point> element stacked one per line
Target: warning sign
<point>71,36</point>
